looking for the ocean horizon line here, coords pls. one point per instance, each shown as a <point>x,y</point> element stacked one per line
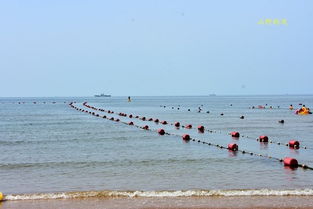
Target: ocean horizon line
<point>215,95</point>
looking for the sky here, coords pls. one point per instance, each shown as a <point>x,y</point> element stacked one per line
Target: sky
<point>155,48</point>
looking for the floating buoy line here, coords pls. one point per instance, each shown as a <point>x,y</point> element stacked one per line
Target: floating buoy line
<point>293,144</point>
<point>36,102</point>
<point>201,110</point>
<point>287,161</point>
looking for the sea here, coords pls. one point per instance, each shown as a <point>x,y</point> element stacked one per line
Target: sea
<point>51,150</point>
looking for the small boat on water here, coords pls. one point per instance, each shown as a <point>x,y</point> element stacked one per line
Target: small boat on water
<point>102,95</point>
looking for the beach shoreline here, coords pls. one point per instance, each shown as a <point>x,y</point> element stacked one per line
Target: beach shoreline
<point>264,202</point>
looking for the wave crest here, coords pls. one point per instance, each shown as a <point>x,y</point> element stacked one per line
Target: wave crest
<point>178,193</point>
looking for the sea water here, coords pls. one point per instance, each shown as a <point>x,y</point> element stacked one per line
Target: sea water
<point>49,148</point>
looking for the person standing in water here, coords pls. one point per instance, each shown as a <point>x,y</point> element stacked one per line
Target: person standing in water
<point>129,100</point>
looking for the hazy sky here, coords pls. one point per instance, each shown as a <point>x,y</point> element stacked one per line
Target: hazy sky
<point>161,47</point>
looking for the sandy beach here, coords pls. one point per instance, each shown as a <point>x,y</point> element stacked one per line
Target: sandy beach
<point>303,202</point>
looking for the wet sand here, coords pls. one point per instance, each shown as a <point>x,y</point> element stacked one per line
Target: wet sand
<point>303,202</point>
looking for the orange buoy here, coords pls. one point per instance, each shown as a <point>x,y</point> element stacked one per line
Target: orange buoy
<point>263,139</point>
<point>201,128</point>
<point>186,137</point>
<point>161,131</point>
<point>235,134</point>
<point>294,144</point>
<point>291,162</point>
<point>189,126</point>
<point>177,124</point>
<point>233,147</point>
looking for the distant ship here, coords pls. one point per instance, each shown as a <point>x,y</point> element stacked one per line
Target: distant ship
<point>212,95</point>
<point>102,95</point>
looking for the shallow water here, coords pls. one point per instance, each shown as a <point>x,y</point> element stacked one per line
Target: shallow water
<point>52,147</point>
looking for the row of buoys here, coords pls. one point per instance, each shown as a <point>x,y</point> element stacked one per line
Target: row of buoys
<point>189,126</point>
<point>263,139</point>
<point>301,111</point>
<point>199,110</point>
<point>294,144</point>
<point>35,102</point>
<point>290,162</point>
<point>185,137</point>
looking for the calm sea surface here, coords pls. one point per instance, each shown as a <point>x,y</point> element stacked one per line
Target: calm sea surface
<point>50,147</point>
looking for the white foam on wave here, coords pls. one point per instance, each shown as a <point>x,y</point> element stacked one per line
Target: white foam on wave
<point>178,193</point>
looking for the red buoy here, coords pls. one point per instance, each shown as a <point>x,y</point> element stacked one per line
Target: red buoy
<point>146,127</point>
<point>201,128</point>
<point>291,162</point>
<point>143,118</point>
<point>117,120</point>
<point>161,131</point>
<point>177,124</point>
<point>233,147</point>
<point>131,123</point>
<point>235,134</point>
<point>294,144</point>
<point>189,126</point>
<point>104,116</point>
<point>164,122</point>
<point>186,137</point>
<point>263,139</point>
<point>150,119</point>
<point>130,116</point>
<point>156,120</point>
<point>112,118</point>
